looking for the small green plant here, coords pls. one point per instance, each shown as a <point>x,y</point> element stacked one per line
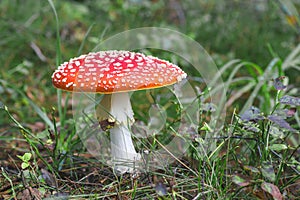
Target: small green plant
<point>265,151</point>
<point>25,160</point>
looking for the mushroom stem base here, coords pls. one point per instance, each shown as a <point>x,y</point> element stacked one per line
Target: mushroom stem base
<point>123,153</point>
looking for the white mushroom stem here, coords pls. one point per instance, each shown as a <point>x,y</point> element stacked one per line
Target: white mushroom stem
<point>123,152</point>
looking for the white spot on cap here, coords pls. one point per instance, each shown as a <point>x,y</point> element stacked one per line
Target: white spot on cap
<point>138,59</point>
<point>92,69</point>
<point>162,65</point>
<point>98,61</point>
<point>117,64</point>
<point>70,66</point>
<point>179,78</point>
<point>58,76</point>
<point>89,65</point>
<point>105,69</point>
<point>69,84</point>
<point>77,63</point>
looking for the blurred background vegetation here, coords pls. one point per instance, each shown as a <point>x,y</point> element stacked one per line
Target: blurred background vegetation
<point>247,30</point>
<point>253,30</point>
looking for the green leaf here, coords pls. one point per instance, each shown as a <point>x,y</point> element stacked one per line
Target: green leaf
<point>267,171</point>
<point>24,165</point>
<point>21,157</point>
<point>272,190</point>
<point>278,147</point>
<point>206,127</point>
<point>276,132</point>
<point>27,157</point>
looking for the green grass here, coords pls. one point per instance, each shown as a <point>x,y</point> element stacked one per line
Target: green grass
<point>255,156</point>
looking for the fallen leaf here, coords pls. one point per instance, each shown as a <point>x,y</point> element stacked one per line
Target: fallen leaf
<point>29,194</point>
<point>49,178</point>
<point>161,189</point>
<point>240,181</point>
<point>272,190</point>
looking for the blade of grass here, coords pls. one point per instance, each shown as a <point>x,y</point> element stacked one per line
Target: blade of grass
<point>238,94</point>
<point>10,182</point>
<point>84,39</point>
<point>261,81</point>
<point>58,61</point>
<point>291,59</point>
<point>177,159</point>
<point>250,66</point>
<point>40,113</point>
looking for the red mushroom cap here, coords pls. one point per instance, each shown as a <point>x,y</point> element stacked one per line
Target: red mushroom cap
<point>115,71</point>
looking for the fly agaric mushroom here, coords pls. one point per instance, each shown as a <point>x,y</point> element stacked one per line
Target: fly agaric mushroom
<point>114,74</point>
